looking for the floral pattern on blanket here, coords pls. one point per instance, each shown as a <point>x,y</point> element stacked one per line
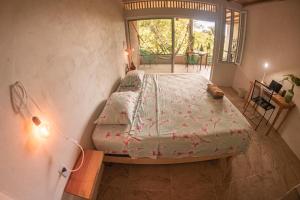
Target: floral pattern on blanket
<point>178,118</point>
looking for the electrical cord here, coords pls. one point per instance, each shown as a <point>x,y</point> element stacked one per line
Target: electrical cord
<point>19,100</point>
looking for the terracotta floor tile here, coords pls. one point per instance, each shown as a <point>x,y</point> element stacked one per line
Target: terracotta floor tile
<point>107,192</point>
<point>147,195</point>
<point>149,177</point>
<point>115,175</point>
<point>194,193</point>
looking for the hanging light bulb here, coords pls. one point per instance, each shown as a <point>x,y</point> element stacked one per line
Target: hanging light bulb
<point>40,129</point>
<point>266,65</point>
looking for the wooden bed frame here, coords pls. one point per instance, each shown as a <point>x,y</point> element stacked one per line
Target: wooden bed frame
<point>161,161</point>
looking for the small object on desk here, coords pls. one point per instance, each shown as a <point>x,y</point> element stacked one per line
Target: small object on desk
<point>282,93</point>
<point>215,91</point>
<point>84,182</point>
<point>275,86</point>
<point>289,96</point>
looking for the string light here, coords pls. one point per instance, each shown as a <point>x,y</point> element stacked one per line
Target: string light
<point>19,100</point>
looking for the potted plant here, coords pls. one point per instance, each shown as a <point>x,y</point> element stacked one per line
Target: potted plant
<point>294,80</point>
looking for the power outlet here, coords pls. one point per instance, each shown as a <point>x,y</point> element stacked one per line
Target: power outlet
<point>63,171</point>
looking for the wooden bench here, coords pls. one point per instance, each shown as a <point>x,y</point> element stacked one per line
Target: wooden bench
<point>83,184</point>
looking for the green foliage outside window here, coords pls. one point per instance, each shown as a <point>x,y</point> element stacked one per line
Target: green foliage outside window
<point>155,36</point>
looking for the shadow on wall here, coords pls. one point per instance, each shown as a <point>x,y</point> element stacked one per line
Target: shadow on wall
<point>86,138</point>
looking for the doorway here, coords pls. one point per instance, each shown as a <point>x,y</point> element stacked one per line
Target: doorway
<point>172,45</point>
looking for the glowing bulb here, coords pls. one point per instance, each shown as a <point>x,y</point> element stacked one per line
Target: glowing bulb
<point>43,131</point>
<point>40,129</point>
<point>266,65</point>
<point>126,53</point>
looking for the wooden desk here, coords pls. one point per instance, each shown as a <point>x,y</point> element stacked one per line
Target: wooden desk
<point>83,183</point>
<point>280,102</point>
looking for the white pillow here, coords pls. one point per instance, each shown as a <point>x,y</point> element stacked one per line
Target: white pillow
<point>119,108</point>
<point>132,81</point>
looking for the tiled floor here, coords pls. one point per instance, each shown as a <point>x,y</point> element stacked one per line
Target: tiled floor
<point>266,171</point>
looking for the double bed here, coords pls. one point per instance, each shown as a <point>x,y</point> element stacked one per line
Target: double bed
<point>175,120</point>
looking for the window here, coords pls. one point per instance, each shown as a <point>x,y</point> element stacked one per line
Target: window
<point>234,31</point>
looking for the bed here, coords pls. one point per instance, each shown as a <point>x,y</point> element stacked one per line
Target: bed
<point>176,120</point>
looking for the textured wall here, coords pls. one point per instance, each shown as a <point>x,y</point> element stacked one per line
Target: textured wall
<point>69,55</point>
<point>273,36</point>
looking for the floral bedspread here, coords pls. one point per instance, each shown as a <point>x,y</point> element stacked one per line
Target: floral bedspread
<point>175,118</point>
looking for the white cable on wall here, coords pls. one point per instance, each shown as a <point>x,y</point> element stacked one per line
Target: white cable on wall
<point>19,101</point>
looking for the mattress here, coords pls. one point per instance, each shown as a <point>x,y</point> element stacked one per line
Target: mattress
<point>176,117</point>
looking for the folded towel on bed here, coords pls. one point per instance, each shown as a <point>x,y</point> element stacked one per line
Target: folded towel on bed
<point>215,91</point>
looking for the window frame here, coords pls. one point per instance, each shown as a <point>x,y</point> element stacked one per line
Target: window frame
<point>241,37</point>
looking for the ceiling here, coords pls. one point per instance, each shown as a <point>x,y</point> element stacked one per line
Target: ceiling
<point>251,2</point>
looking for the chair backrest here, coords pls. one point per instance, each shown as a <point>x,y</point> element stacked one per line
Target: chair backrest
<point>192,58</point>
<point>260,90</point>
<point>275,86</point>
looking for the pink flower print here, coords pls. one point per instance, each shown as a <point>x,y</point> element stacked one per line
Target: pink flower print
<point>118,134</point>
<point>189,112</point>
<point>149,119</point>
<point>195,144</point>
<point>108,134</point>
<point>186,137</point>
<point>184,125</point>
<point>138,127</point>
<point>126,141</point>
<point>159,153</point>
<point>204,129</point>
<point>123,113</point>
<point>173,136</point>
<point>164,122</point>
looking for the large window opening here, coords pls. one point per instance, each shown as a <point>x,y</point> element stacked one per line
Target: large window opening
<point>177,45</point>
